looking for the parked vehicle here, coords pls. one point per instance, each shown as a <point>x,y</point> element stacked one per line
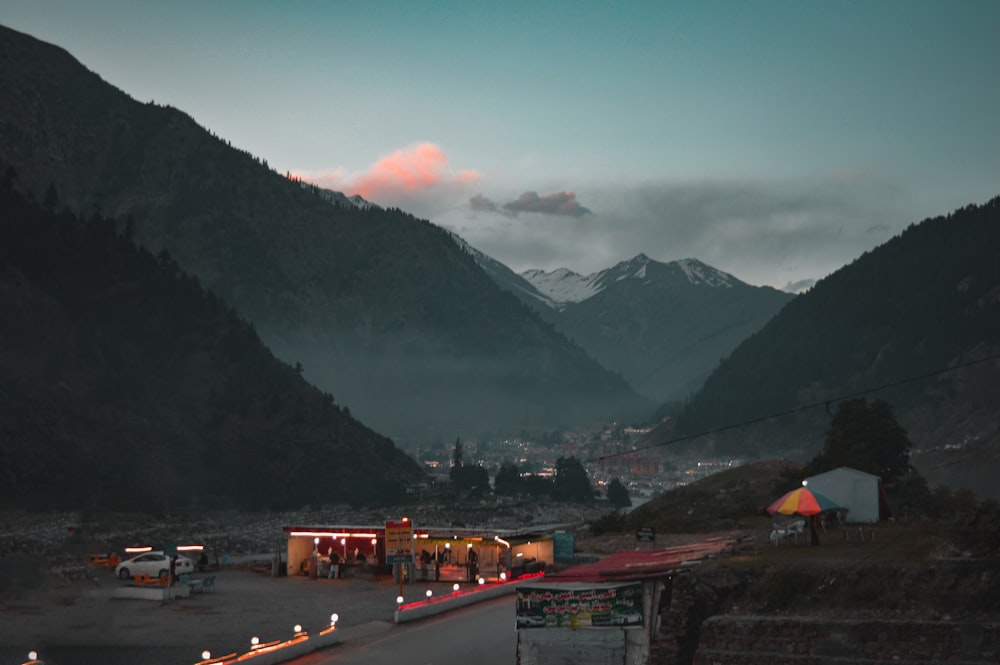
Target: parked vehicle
<point>529,620</point>
<point>154,564</point>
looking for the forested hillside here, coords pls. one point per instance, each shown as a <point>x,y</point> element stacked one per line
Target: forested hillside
<point>382,309</point>
<point>125,385</point>
<point>926,301</point>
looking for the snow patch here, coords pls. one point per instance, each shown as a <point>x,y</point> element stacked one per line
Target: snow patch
<point>563,285</point>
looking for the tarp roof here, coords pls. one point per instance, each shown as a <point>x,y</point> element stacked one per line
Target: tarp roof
<point>640,564</point>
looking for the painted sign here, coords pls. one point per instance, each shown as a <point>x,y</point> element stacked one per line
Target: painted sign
<point>645,534</point>
<point>563,546</point>
<point>608,606</point>
<point>398,542</point>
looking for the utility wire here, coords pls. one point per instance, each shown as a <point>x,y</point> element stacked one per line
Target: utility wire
<point>805,407</point>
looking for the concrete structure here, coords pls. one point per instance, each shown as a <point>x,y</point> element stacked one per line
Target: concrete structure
<point>861,493</point>
<point>447,602</point>
<point>152,592</point>
<point>602,613</point>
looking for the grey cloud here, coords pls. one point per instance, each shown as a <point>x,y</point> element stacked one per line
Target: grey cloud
<point>480,202</point>
<point>776,232</point>
<point>563,204</point>
<point>762,232</point>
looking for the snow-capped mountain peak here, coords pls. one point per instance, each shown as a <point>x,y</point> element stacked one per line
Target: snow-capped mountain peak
<point>701,273</point>
<point>565,286</point>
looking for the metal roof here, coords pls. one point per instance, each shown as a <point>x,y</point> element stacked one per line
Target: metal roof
<point>641,564</point>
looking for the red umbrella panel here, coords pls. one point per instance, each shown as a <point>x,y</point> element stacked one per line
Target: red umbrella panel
<point>802,501</point>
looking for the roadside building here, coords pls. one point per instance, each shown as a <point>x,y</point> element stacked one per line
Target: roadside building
<point>602,613</point>
<point>442,554</point>
<point>860,493</point>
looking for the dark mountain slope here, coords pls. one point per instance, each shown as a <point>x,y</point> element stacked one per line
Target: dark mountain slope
<point>662,326</point>
<point>664,331</point>
<point>123,384</point>
<point>384,310</point>
<point>926,300</point>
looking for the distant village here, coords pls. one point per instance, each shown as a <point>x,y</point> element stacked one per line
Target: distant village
<point>606,451</point>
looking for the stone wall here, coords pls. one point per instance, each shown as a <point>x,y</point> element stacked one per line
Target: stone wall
<point>688,601</point>
<point>752,640</point>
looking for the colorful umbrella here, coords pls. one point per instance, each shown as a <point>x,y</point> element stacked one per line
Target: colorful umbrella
<point>802,501</point>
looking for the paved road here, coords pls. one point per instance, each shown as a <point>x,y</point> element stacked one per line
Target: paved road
<point>482,633</point>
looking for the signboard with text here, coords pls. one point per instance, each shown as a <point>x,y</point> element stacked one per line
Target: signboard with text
<point>398,542</point>
<point>603,605</point>
<point>645,534</point>
<point>563,546</point>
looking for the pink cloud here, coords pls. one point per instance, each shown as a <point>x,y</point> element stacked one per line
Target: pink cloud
<point>415,179</point>
<point>405,170</point>
<point>399,176</point>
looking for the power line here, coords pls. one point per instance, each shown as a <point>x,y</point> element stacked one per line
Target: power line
<point>805,407</point>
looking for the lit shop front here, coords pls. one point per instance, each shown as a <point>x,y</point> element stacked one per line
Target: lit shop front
<point>314,550</point>
<point>438,554</point>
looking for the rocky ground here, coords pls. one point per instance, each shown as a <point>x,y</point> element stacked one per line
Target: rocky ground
<point>57,544</point>
<point>52,600</point>
<point>50,596</point>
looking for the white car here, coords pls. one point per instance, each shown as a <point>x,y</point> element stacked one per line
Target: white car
<point>154,564</point>
<point>529,620</point>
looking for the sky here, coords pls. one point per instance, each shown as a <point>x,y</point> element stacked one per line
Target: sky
<point>774,140</point>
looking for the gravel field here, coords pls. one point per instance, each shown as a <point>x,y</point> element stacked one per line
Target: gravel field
<point>53,602</point>
<point>81,622</point>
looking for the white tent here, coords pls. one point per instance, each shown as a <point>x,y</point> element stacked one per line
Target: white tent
<point>861,493</point>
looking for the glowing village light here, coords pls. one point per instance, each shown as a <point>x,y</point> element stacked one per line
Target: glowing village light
<point>254,641</point>
<point>334,618</point>
<point>297,628</point>
<point>206,654</point>
<point>455,587</point>
<point>399,600</point>
<point>32,655</point>
<point>429,593</point>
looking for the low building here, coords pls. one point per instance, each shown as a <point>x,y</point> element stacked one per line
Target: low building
<point>860,493</point>
<point>439,553</point>
<point>602,613</point>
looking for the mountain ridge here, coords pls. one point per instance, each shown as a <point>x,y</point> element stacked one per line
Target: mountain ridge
<point>381,309</point>
<point>563,286</point>
<point>124,383</point>
<point>662,326</point>
<point>903,322</point>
